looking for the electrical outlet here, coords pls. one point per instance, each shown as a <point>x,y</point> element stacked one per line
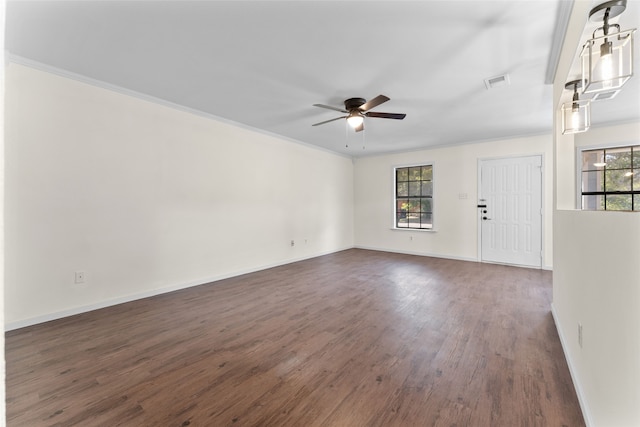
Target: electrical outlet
<point>293,243</point>
<point>580,334</point>
<point>79,277</point>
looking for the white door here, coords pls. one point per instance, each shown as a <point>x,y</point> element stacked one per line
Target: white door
<point>510,208</point>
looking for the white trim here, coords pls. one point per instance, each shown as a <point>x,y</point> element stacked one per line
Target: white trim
<point>543,211</point>
<point>141,295</point>
<point>26,62</point>
<point>563,15</point>
<point>424,254</point>
<point>578,158</point>
<point>129,298</point>
<point>463,143</point>
<point>578,173</point>
<point>433,194</point>
<point>479,214</point>
<point>419,230</point>
<point>586,413</point>
<point>607,145</point>
<point>533,267</point>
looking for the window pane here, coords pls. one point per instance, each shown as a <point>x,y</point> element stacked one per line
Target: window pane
<point>591,160</point>
<point>402,189</point>
<point>636,202</point>
<point>413,220</point>
<point>414,188</point>
<point>402,174</point>
<point>593,203</point>
<point>425,220</point>
<point>402,205</point>
<point>427,173</point>
<point>592,181</point>
<point>425,205</point>
<point>401,221</point>
<point>619,202</point>
<point>618,158</point>
<point>427,188</point>
<point>636,181</point>
<point>408,206</point>
<point>636,157</point>
<point>618,180</point>
<point>415,174</point>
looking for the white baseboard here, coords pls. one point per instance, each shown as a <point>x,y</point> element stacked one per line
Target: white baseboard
<point>459,258</point>
<point>586,413</point>
<point>128,298</point>
<point>372,248</point>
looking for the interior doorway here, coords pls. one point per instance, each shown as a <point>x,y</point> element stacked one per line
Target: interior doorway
<point>510,210</point>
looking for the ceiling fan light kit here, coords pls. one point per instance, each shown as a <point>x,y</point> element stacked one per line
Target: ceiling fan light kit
<point>355,119</point>
<point>356,109</point>
<point>607,60</point>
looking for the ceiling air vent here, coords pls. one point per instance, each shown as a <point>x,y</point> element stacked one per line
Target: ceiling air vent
<point>600,96</point>
<point>497,81</point>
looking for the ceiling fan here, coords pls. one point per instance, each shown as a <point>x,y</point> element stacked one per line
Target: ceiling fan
<point>357,109</point>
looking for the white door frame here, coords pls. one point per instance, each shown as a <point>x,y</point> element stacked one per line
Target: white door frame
<point>542,202</point>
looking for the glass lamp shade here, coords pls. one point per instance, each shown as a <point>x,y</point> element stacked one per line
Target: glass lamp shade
<point>355,120</point>
<point>607,61</point>
<point>576,116</point>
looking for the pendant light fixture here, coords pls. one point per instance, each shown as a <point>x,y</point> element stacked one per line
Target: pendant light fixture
<point>576,115</point>
<point>607,60</point>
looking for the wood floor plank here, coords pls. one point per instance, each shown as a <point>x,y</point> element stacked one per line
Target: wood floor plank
<point>355,338</point>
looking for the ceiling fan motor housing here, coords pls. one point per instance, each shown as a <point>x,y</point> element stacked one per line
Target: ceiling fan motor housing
<point>354,103</point>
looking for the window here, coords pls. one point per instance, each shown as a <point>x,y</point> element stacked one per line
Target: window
<point>611,179</point>
<point>414,197</point>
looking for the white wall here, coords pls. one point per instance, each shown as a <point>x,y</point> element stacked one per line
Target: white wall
<point>144,198</point>
<point>456,220</point>
<point>596,275</point>
<point>597,284</point>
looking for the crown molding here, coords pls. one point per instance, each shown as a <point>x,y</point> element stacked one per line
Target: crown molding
<point>26,62</point>
<point>562,22</point>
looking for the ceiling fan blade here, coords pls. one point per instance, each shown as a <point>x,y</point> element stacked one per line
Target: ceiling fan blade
<point>329,107</point>
<point>327,121</point>
<point>374,102</point>
<point>397,116</point>
<point>360,127</point>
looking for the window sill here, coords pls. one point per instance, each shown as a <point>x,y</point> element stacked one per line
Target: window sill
<point>419,230</point>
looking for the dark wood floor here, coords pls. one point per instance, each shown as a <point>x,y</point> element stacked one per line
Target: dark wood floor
<point>356,338</point>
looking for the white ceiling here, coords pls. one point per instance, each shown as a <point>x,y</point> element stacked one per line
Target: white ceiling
<point>264,63</point>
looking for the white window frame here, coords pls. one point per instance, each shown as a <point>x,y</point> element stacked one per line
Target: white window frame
<point>578,168</point>
<point>394,200</point>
